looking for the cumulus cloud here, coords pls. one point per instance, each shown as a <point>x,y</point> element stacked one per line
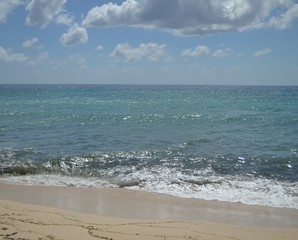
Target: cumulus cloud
<point>263,52</point>
<point>42,12</point>
<point>285,19</point>
<point>150,51</point>
<point>30,42</point>
<point>6,7</point>
<point>200,50</point>
<point>74,36</point>
<point>222,52</point>
<point>99,48</point>
<point>194,16</point>
<point>65,19</point>
<point>7,55</point>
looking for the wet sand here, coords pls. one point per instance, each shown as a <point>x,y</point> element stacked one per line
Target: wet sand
<point>38,212</point>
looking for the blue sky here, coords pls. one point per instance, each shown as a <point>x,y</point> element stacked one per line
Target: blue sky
<point>222,42</point>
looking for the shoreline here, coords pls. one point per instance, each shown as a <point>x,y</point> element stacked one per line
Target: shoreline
<point>42,212</point>
<point>135,204</point>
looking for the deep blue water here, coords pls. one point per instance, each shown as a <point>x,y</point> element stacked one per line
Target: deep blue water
<point>211,142</point>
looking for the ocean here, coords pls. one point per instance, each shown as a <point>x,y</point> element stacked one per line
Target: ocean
<point>226,143</point>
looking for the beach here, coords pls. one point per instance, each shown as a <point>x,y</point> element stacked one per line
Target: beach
<point>39,212</point>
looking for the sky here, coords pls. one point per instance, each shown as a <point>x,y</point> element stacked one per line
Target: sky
<point>207,42</point>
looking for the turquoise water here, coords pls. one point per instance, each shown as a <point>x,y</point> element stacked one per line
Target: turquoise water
<point>234,144</point>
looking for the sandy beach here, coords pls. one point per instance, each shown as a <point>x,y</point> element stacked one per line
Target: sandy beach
<point>38,212</point>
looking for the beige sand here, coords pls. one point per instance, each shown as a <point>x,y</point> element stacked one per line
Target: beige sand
<point>129,204</point>
<point>23,221</point>
<point>126,214</point>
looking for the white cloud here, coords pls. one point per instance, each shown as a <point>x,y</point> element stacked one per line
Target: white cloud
<point>285,19</point>
<point>222,52</point>
<point>200,50</point>
<point>194,16</point>
<point>149,51</point>
<point>74,36</point>
<point>7,55</point>
<point>30,42</point>
<point>263,52</point>
<point>65,19</point>
<point>99,48</point>
<point>6,7</point>
<point>42,12</point>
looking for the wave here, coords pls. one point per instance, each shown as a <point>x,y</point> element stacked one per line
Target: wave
<point>246,190</point>
<point>174,170</point>
<point>183,158</point>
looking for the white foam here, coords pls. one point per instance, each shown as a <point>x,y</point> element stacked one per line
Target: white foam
<point>247,190</point>
<point>205,185</point>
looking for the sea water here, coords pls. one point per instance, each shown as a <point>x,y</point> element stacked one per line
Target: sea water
<point>236,144</point>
